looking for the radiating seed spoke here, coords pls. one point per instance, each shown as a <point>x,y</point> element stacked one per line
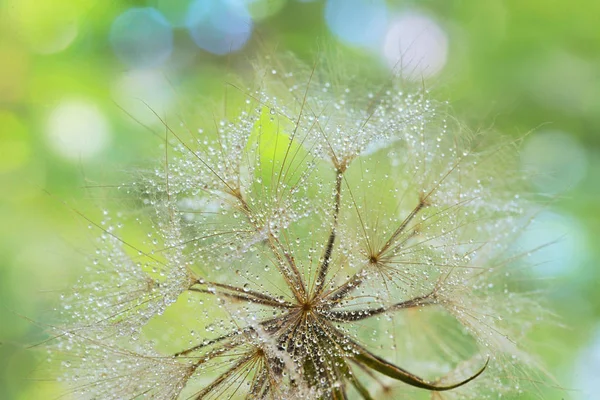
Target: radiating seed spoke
<point>386,368</point>
<point>324,267</point>
<point>357,315</point>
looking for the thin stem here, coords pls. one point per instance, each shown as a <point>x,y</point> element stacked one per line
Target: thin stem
<point>342,291</point>
<point>292,276</point>
<point>401,228</point>
<point>386,368</point>
<point>357,315</point>
<point>360,388</point>
<point>225,347</point>
<point>259,382</point>
<point>243,294</point>
<point>239,335</point>
<point>212,170</point>
<point>240,297</point>
<point>324,267</point>
<point>226,375</point>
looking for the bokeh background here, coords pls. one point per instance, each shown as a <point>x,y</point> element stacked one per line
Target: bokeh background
<point>77,77</point>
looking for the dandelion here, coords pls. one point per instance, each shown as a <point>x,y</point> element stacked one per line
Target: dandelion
<point>330,241</point>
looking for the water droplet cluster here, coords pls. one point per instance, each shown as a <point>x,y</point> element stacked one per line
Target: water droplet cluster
<point>321,243</point>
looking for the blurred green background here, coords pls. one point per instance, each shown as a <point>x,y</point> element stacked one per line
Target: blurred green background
<point>75,74</point>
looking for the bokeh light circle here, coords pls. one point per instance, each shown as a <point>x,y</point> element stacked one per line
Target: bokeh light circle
<point>415,46</point>
<point>219,26</point>
<point>62,37</point>
<point>142,93</point>
<point>585,373</point>
<point>557,244</point>
<point>554,161</point>
<point>359,23</point>
<point>45,27</point>
<point>262,9</point>
<point>142,37</point>
<point>77,130</point>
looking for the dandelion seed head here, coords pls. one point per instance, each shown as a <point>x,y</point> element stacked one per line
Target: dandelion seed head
<point>124,288</point>
<point>321,236</point>
<point>101,369</point>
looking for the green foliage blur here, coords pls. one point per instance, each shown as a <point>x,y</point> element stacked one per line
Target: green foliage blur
<point>519,67</point>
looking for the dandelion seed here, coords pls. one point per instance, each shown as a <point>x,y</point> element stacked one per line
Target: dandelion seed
<point>327,243</point>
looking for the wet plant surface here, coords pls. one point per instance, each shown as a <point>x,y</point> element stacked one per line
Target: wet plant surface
<point>329,241</point>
